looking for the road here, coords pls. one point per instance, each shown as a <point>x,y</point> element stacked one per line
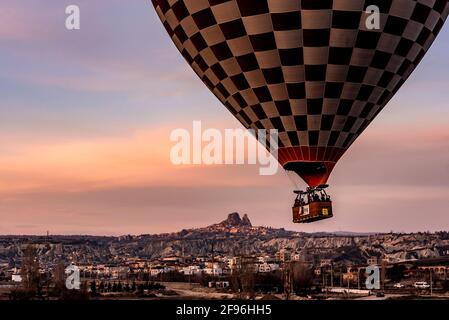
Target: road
<point>387,296</point>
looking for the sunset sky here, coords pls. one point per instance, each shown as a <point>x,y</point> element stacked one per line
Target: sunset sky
<point>85,119</point>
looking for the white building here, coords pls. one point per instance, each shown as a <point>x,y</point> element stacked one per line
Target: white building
<point>296,256</point>
<point>266,258</point>
<point>283,255</point>
<point>213,271</point>
<point>325,262</point>
<point>219,284</point>
<point>267,267</point>
<point>161,269</point>
<point>16,278</point>
<point>191,270</point>
<point>234,262</point>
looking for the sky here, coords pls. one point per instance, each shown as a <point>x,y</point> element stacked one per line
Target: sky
<point>86,115</point>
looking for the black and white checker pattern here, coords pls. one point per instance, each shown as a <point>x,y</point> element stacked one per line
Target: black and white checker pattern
<point>308,68</point>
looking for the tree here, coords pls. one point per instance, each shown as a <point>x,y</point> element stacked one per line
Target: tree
<point>140,289</point>
<point>235,281</point>
<point>270,281</point>
<point>30,271</point>
<point>242,278</point>
<point>445,285</point>
<point>93,288</point>
<point>133,287</point>
<point>247,278</point>
<point>204,279</point>
<point>81,294</point>
<point>302,277</point>
<point>59,275</point>
<point>396,273</point>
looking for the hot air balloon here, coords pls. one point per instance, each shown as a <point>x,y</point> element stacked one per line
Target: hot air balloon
<point>312,69</point>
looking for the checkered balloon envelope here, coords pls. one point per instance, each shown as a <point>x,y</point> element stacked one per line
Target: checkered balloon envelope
<point>312,69</point>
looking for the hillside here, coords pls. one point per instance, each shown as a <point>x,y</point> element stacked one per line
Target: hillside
<point>235,236</point>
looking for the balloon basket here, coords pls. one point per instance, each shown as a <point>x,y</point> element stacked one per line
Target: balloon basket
<point>312,205</point>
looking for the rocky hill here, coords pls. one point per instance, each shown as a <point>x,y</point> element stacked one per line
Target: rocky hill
<point>236,236</point>
<point>234,220</point>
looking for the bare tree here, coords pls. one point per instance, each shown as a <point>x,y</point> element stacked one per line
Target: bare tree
<point>288,280</point>
<point>30,271</point>
<point>242,278</point>
<point>59,276</point>
<point>302,276</point>
<point>247,277</point>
